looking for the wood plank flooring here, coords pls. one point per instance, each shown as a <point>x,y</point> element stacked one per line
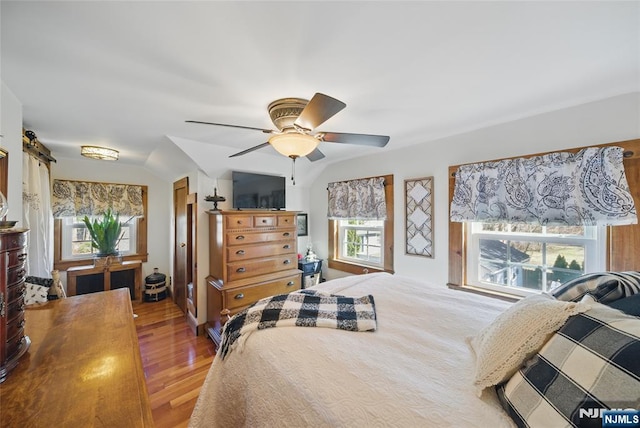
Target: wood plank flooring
<point>175,361</point>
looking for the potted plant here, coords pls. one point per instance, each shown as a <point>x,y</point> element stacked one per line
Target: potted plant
<point>105,233</point>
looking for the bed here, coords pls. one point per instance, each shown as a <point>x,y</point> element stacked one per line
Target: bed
<point>420,367</point>
<point>415,369</point>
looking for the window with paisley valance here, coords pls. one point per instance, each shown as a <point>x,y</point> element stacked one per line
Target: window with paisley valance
<point>360,214</point>
<point>527,224</point>
<point>72,200</point>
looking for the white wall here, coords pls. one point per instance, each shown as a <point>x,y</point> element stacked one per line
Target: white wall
<point>605,121</point>
<point>159,201</point>
<point>11,131</point>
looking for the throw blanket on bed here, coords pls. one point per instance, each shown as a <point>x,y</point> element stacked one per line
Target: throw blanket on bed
<point>305,308</point>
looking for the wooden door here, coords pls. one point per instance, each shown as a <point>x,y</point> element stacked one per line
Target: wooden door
<point>180,261</point>
<point>192,262</point>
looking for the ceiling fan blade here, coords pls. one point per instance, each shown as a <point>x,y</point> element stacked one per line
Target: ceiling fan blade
<point>315,155</point>
<point>318,110</point>
<point>360,139</point>
<point>266,131</point>
<point>244,152</point>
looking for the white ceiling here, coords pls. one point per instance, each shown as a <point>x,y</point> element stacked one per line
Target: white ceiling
<point>128,74</point>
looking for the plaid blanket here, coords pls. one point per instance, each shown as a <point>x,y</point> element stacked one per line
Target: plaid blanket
<point>305,308</point>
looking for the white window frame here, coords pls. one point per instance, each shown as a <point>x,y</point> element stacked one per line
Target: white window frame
<point>593,241</point>
<point>68,225</point>
<point>343,227</point>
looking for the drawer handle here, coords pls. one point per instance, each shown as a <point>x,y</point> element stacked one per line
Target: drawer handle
<point>286,247</point>
<point>21,324</point>
<point>2,305</point>
<point>22,257</point>
<point>239,221</point>
<point>264,220</point>
<point>239,296</point>
<point>286,262</point>
<point>290,283</point>
<point>241,270</point>
<point>240,252</point>
<point>22,273</point>
<point>286,234</point>
<point>240,237</point>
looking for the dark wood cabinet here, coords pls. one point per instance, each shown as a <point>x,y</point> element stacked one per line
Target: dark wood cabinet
<point>252,255</point>
<point>93,279</point>
<point>13,342</point>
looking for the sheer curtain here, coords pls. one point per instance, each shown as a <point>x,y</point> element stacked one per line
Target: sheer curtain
<point>37,216</point>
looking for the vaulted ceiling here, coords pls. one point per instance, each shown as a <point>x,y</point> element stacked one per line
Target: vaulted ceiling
<point>128,74</point>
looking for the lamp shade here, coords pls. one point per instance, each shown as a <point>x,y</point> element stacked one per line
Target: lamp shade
<point>294,144</point>
<point>102,153</point>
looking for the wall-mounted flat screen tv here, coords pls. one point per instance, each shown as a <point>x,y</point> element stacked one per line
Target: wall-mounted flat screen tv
<point>258,191</point>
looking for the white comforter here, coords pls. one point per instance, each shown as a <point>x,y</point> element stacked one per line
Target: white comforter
<point>414,371</point>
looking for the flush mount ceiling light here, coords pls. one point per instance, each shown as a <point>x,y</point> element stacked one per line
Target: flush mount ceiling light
<point>294,144</point>
<point>101,153</point>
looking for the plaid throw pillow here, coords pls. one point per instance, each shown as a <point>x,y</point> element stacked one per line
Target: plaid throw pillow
<point>592,363</point>
<point>602,286</point>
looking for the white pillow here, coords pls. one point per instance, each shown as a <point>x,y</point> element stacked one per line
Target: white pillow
<point>516,334</point>
<point>35,294</point>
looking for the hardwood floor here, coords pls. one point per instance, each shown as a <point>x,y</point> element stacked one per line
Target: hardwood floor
<point>175,361</point>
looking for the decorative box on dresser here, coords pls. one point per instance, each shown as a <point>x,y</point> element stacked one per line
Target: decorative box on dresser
<point>13,256</point>
<point>252,254</point>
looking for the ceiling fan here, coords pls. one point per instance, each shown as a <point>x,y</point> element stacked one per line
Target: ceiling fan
<point>296,120</point>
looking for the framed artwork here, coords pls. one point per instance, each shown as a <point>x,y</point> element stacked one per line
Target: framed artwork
<point>418,198</point>
<point>301,222</point>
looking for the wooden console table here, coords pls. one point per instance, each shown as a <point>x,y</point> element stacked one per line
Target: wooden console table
<point>83,367</point>
<point>107,282</point>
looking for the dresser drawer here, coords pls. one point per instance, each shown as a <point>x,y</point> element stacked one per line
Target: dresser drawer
<point>14,309</point>
<point>10,241</point>
<point>265,221</point>
<point>13,345</point>
<point>17,258</point>
<point>16,291</point>
<point>247,252</point>
<point>239,238</point>
<point>243,296</point>
<point>286,220</point>
<point>15,327</point>
<point>15,275</point>
<point>251,268</point>
<point>239,221</point>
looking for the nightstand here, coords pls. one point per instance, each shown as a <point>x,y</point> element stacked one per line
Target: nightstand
<point>311,272</point>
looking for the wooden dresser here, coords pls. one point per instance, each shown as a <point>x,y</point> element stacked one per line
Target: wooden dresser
<point>252,254</point>
<point>83,368</point>
<point>13,256</point>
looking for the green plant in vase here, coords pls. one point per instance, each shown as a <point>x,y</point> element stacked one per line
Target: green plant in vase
<point>105,233</point>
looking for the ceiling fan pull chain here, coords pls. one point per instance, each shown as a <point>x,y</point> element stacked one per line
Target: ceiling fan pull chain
<point>293,170</point>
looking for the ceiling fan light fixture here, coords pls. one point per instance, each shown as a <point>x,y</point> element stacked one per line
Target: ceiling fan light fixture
<point>294,144</point>
<point>101,153</point>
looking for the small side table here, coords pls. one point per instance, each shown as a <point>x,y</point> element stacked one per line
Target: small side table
<point>311,272</point>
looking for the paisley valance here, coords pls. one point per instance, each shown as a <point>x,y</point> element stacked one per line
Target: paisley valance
<point>80,198</point>
<point>584,188</point>
<point>357,199</point>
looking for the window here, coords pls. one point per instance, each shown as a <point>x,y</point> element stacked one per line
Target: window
<point>76,240</point>
<point>361,246</point>
<point>361,241</point>
<point>524,259</point>
<point>72,244</point>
